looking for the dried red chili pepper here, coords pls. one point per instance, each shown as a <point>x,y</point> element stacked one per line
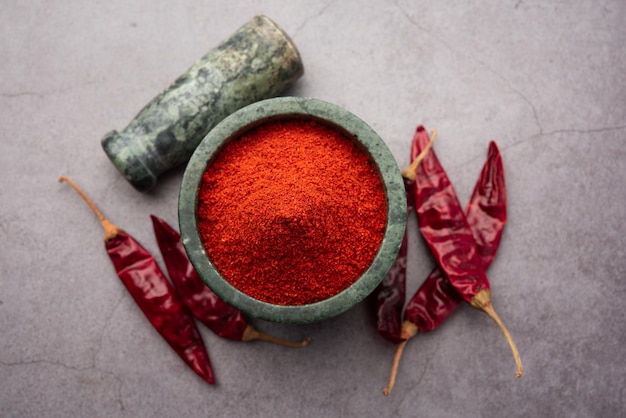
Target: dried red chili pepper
<point>142,276</point>
<point>448,234</point>
<point>391,293</point>
<point>206,306</point>
<point>436,298</point>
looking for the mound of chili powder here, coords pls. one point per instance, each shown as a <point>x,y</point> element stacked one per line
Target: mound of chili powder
<point>291,212</point>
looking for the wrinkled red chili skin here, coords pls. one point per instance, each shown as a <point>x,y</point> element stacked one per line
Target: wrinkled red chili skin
<point>221,318</point>
<point>443,224</point>
<point>486,212</point>
<point>436,298</point>
<point>391,293</point>
<point>144,279</point>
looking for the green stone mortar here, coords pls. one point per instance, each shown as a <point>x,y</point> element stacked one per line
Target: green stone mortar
<point>257,62</point>
<point>289,108</point>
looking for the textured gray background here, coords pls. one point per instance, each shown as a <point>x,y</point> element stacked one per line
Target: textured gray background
<point>546,80</point>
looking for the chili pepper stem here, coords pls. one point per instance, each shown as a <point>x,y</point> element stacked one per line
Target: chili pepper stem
<point>110,230</point>
<point>482,301</point>
<point>409,172</point>
<point>251,334</point>
<point>408,331</point>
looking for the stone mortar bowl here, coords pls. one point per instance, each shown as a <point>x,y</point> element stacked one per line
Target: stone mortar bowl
<point>334,117</point>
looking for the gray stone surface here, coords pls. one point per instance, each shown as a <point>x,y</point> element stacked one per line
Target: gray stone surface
<point>544,79</point>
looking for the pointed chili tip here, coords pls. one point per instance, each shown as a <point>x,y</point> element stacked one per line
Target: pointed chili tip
<point>198,359</point>
<point>493,148</point>
<point>207,375</point>
<point>156,221</point>
<point>163,230</point>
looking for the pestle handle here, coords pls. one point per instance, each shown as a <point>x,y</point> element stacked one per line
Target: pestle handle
<point>257,62</point>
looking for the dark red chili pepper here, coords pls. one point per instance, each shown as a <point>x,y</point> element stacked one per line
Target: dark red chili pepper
<point>486,216</point>
<point>140,273</point>
<point>206,306</point>
<point>448,234</point>
<point>436,298</point>
<point>391,293</point>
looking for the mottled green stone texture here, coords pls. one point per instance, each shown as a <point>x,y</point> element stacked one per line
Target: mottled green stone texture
<point>257,62</point>
<point>337,118</point>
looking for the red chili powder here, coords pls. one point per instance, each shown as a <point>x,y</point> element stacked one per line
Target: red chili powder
<point>292,212</point>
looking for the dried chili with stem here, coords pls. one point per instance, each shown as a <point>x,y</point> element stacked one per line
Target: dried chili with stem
<point>206,306</point>
<point>436,298</point>
<point>158,300</point>
<point>391,293</point>
<point>448,234</point>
